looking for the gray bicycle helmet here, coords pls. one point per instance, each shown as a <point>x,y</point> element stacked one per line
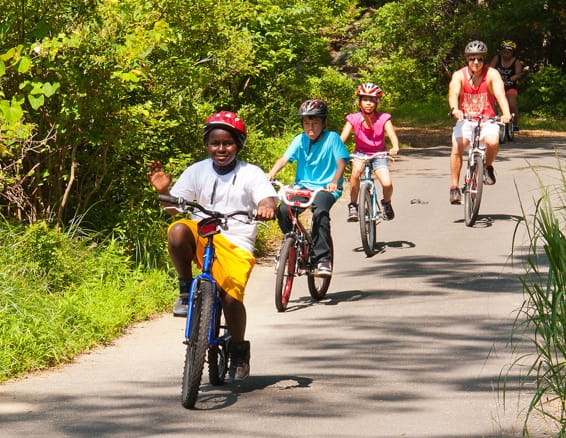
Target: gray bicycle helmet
<point>476,47</point>
<point>313,107</point>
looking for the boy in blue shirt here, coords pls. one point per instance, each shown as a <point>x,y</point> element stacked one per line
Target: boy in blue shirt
<point>321,158</point>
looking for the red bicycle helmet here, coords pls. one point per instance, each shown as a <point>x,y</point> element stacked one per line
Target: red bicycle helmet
<point>369,89</point>
<point>229,121</point>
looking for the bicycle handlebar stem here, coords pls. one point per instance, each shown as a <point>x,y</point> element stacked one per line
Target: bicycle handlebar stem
<point>286,193</point>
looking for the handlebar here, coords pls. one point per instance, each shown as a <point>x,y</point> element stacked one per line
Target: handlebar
<point>184,206</point>
<point>380,154</point>
<point>481,117</point>
<point>286,193</point>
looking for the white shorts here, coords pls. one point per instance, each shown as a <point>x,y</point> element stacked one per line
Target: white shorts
<point>465,129</point>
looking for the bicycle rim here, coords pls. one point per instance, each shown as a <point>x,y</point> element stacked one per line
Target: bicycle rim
<point>473,193</point>
<point>367,221</point>
<point>318,286</point>
<point>285,273</point>
<point>197,345</point>
<point>218,355</point>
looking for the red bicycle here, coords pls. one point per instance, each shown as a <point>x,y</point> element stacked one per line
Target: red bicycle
<point>295,256</point>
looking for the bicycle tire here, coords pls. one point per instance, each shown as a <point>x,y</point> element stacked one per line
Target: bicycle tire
<point>218,356</point>
<point>286,265</point>
<point>510,131</point>
<point>473,193</point>
<point>318,286</point>
<point>503,133</point>
<point>368,224</point>
<point>197,345</point>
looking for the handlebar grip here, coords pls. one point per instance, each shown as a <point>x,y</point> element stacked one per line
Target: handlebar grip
<point>170,199</point>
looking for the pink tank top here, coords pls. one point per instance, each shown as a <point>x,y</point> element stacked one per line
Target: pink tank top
<point>369,140</point>
<point>476,100</point>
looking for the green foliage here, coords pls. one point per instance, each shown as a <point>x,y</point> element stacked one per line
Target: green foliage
<point>430,113</point>
<point>545,93</point>
<point>403,47</point>
<point>59,297</point>
<point>542,317</point>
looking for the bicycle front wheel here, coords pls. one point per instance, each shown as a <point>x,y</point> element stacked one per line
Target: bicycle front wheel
<point>318,286</point>
<point>503,132</point>
<point>510,130</point>
<point>218,354</point>
<point>473,192</point>
<point>368,223</point>
<point>197,344</point>
<point>285,271</point>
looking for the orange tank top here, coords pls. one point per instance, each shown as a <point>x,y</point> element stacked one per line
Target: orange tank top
<point>476,100</point>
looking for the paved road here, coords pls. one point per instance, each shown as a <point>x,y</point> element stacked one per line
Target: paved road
<point>408,343</point>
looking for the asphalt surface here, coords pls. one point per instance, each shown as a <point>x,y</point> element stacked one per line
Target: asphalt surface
<point>412,342</point>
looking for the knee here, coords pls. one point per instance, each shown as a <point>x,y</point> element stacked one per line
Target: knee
<point>180,236</point>
<point>356,173</point>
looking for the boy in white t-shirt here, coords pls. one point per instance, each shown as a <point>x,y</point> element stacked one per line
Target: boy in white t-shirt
<point>222,183</point>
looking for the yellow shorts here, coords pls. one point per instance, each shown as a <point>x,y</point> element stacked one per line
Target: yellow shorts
<point>233,265</point>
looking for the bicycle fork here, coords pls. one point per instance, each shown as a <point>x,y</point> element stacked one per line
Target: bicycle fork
<point>472,161</point>
<point>194,296</point>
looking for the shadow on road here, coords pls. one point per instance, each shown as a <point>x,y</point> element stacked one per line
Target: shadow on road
<point>488,220</point>
<point>221,397</point>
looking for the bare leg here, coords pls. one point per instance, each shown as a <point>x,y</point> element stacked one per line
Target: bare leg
<point>492,147</point>
<point>384,178</point>
<point>182,246</point>
<point>355,183</point>
<point>458,147</point>
<point>513,107</point>
<point>235,314</point>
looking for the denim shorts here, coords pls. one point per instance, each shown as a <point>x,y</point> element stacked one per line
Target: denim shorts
<point>376,163</point>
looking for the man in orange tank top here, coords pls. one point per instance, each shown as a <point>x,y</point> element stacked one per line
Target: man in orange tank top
<point>472,91</point>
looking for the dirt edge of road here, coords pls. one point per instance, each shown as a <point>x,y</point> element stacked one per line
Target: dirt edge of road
<point>427,137</point>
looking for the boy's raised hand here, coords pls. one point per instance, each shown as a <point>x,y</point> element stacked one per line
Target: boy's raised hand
<point>158,178</point>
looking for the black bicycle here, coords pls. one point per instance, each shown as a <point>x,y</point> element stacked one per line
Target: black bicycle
<point>295,255</point>
<point>506,130</point>
<point>205,329</point>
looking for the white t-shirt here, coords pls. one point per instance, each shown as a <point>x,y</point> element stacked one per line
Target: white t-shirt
<point>241,189</point>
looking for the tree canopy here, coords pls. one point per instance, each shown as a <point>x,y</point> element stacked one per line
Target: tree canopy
<point>91,91</point>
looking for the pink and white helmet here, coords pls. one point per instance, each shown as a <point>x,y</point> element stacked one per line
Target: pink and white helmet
<point>369,89</point>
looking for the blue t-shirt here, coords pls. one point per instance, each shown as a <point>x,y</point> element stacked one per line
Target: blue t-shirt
<point>316,163</point>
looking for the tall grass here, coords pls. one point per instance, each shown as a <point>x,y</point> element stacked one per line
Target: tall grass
<point>60,295</point>
<point>542,316</point>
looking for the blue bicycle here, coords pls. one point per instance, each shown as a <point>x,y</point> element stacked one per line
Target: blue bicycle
<point>205,330</point>
<point>369,208</point>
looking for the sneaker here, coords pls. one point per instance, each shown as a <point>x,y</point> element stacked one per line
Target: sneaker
<point>239,360</point>
<point>489,176</point>
<point>388,213</point>
<point>455,196</point>
<point>352,213</point>
<point>324,268</point>
<point>181,305</point>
